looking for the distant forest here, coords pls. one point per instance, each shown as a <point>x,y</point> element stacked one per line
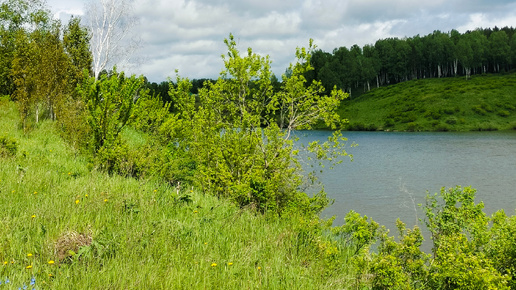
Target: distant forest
<point>393,60</point>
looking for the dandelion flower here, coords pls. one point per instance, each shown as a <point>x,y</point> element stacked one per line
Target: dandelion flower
<point>76,201</point>
<point>105,200</point>
<point>259,268</point>
<point>85,195</point>
<point>28,267</point>
<point>205,243</point>
<point>29,255</point>
<point>229,264</point>
<point>35,192</point>
<point>33,216</point>
<point>195,211</point>
<point>5,262</point>
<point>213,264</point>
<point>51,262</point>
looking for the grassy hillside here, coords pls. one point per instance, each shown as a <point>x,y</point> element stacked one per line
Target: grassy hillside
<point>485,102</point>
<point>68,227</point>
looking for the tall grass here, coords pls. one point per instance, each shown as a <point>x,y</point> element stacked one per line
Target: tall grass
<point>63,226</point>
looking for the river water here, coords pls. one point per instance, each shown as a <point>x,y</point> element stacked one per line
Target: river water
<point>393,171</point>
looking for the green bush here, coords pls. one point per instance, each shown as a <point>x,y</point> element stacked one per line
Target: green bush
<point>479,110</point>
<point>8,146</point>
<point>237,132</point>
<point>412,126</point>
<point>503,113</point>
<point>451,121</point>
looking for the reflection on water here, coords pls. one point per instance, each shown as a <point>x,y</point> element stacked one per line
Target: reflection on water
<point>393,171</point>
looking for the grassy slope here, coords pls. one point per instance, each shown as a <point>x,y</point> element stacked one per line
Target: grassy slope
<point>448,104</point>
<point>140,234</point>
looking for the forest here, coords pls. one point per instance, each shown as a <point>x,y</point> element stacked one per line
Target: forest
<point>436,55</point>
<point>104,183</point>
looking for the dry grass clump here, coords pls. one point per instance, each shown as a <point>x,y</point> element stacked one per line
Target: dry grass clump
<point>68,244</point>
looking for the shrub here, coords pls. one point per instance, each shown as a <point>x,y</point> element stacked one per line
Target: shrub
<point>237,131</point>
<point>388,123</point>
<point>479,110</point>
<point>8,146</point>
<point>412,126</point>
<point>451,121</point>
<point>503,113</point>
<point>460,233</point>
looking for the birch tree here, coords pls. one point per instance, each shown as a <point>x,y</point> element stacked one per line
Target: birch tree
<point>111,23</point>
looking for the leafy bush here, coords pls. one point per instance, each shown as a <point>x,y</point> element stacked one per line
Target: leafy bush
<point>468,253</point>
<point>503,113</point>
<point>412,126</point>
<point>237,131</point>
<point>388,123</point>
<point>8,146</point>
<point>479,110</point>
<point>451,121</point>
<point>109,103</point>
<point>433,114</point>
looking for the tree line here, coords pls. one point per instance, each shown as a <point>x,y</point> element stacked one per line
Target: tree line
<point>438,54</point>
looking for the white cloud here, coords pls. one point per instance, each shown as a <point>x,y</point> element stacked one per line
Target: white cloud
<point>188,34</point>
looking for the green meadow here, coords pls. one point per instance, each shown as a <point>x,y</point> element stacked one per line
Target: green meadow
<point>68,227</point>
<point>483,102</point>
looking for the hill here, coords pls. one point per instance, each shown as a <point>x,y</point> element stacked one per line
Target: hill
<point>483,102</point>
<point>63,226</point>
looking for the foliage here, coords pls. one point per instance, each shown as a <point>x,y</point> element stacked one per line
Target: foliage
<point>400,264</point>
<point>109,102</point>
<point>233,130</point>
<point>468,251</point>
<point>436,55</point>
<point>88,229</point>
<point>453,104</point>
<point>8,146</point>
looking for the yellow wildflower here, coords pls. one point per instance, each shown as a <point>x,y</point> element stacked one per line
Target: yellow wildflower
<point>105,200</point>
<point>5,263</point>
<point>29,255</point>
<point>229,264</point>
<point>51,262</point>
<point>33,216</point>
<point>213,264</point>
<point>76,201</point>
<point>259,268</point>
<point>86,195</point>
<point>28,267</point>
<point>195,211</point>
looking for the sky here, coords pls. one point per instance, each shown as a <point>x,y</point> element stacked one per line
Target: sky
<point>188,35</point>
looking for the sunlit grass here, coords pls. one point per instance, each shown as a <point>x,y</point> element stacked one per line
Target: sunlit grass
<point>63,226</point>
<point>484,102</point>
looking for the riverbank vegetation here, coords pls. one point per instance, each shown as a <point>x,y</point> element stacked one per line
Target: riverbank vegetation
<point>482,103</point>
<point>103,185</point>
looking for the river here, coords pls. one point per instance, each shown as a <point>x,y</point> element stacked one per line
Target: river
<point>393,171</point>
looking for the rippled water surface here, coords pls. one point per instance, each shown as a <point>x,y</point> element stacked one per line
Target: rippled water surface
<point>392,172</point>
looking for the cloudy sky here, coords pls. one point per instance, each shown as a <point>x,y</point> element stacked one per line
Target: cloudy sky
<point>188,34</point>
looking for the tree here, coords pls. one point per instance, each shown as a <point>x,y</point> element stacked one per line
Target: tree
<point>499,50</point>
<point>76,41</point>
<point>233,131</point>
<point>16,16</point>
<point>109,102</point>
<point>110,22</point>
